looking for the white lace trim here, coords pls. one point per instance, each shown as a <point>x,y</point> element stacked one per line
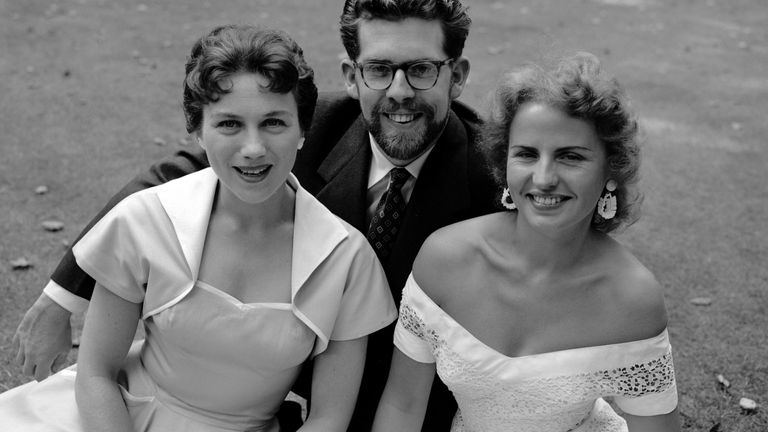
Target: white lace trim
<point>488,402</point>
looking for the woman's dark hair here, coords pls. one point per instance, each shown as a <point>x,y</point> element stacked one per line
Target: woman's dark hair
<point>231,49</point>
<point>580,88</point>
<point>451,14</point>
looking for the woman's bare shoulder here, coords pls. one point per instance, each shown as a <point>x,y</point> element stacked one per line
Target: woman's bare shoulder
<point>449,254</point>
<point>637,293</point>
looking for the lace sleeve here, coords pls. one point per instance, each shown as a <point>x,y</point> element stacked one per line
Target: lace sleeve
<point>648,388</point>
<point>410,332</point>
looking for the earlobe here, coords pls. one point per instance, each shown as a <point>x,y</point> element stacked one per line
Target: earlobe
<point>459,76</point>
<point>301,143</point>
<point>349,72</point>
<point>199,139</point>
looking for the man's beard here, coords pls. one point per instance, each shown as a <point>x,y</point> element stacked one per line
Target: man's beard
<point>405,145</point>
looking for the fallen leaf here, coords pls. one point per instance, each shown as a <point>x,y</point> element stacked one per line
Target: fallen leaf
<point>723,382</point>
<point>53,226</point>
<point>20,264</point>
<point>701,301</point>
<point>748,405</point>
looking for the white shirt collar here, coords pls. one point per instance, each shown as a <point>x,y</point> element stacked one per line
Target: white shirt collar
<point>380,165</point>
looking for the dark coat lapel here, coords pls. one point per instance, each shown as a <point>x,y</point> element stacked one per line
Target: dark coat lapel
<point>345,172</point>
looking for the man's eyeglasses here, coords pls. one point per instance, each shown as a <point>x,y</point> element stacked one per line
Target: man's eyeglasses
<point>420,74</point>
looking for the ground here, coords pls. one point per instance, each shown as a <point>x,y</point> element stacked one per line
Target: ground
<point>91,96</point>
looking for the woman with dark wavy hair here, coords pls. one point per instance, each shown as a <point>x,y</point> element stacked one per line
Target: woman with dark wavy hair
<point>534,316</point>
<point>236,273</point>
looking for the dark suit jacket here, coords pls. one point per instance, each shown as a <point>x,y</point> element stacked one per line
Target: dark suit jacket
<point>453,185</point>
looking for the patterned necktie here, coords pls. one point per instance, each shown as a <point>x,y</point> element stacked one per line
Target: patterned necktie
<point>389,213</point>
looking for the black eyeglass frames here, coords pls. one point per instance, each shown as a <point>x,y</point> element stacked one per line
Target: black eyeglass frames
<point>420,74</point>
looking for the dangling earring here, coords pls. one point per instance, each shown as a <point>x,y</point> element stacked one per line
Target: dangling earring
<point>506,200</point>
<point>606,205</point>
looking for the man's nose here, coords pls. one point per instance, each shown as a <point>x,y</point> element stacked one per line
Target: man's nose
<point>400,90</point>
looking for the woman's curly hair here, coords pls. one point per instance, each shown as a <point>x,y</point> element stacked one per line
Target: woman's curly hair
<point>580,88</point>
<point>231,49</point>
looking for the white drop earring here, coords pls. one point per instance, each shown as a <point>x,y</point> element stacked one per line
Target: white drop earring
<point>506,200</point>
<point>606,205</point>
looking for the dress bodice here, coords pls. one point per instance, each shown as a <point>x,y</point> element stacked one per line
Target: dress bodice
<point>217,360</point>
<point>557,391</point>
<point>213,353</point>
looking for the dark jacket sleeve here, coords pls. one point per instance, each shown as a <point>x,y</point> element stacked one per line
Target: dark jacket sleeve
<point>67,273</point>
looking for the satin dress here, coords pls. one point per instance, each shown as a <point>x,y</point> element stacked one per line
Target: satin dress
<point>209,362</point>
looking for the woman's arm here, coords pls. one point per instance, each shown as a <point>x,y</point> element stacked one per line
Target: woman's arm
<point>335,382</point>
<point>405,397</point>
<point>659,423</point>
<point>110,326</point>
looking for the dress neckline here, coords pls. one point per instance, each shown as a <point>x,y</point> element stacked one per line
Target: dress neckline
<point>237,302</point>
<point>653,340</point>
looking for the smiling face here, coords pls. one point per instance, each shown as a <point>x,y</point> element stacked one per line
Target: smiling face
<point>404,122</point>
<point>556,168</point>
<point>251,136</point>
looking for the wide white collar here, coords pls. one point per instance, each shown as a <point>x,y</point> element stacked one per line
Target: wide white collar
<point>188,202</point>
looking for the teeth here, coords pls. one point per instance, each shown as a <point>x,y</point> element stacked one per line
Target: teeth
<point>402,118</point>
<point>253,171</point>
<point>547,200</point>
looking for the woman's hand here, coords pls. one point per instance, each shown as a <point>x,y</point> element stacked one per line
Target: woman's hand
<point>659,423</point>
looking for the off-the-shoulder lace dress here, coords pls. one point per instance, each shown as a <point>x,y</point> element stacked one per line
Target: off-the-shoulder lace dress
<point>556,391</point>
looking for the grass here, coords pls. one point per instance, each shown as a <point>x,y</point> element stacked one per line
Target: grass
<point>89,84</point>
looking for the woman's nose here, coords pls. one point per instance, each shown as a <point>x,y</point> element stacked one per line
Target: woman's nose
<point>254,145</point>
<point>545,174</point>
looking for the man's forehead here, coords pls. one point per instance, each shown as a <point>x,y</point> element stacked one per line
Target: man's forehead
<point>400,41</point>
